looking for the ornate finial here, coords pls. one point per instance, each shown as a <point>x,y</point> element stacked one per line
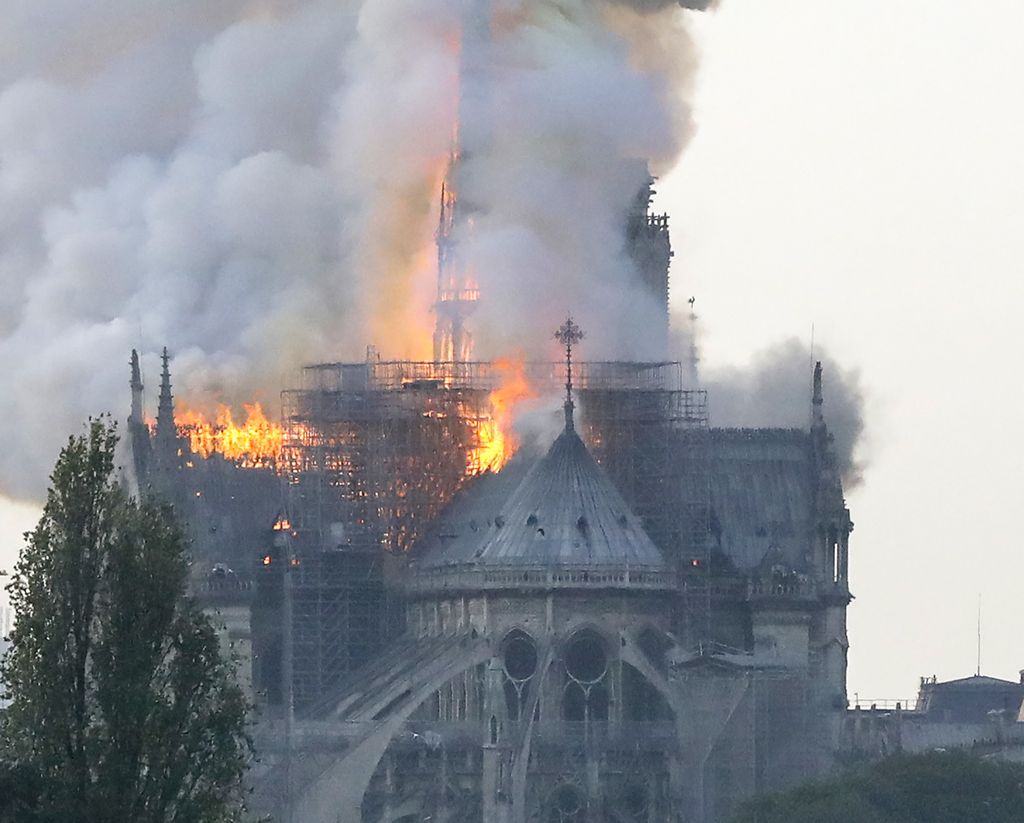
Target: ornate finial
<point>568,334</point>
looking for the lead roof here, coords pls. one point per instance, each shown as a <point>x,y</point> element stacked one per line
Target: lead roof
<point>564,511</point>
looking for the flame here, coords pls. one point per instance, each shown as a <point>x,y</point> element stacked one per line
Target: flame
<point>256,443</point>
<point>406,225</point>
<point>497,439</point>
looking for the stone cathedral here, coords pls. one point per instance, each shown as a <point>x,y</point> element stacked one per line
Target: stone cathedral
<point>556,665</point>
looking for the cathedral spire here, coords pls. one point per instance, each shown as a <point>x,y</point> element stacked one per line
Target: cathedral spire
<point>817,418</point>
<point>457,289</point>
<point>165,426</point>
<point>137,414</point>
<point>569,334</point>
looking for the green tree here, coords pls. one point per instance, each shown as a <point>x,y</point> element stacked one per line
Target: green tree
<point>20,793</point>
<point>937,787</point>
<point>122,705</point>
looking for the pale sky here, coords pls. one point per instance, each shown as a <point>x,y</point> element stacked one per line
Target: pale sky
<point>857,168</point>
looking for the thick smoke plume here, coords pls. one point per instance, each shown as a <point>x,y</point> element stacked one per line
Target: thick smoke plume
<point>775,390</point>
<point>163,180</point>
<point>254,184</point>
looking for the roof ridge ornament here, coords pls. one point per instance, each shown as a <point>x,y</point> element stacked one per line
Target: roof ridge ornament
<point>568,334</point>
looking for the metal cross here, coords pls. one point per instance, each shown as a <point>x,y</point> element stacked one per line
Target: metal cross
<point>568,334</point>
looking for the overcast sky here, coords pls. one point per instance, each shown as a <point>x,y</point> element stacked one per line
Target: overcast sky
<point>857,168</point>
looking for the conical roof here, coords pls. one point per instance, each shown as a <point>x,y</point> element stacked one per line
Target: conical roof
<point>564,512</point>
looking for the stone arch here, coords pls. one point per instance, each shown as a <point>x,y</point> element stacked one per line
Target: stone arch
<point>337,793</point>
<point>654,643</point>
<point>458,699</point>
<point>641,700</point>
<point>631,653</point>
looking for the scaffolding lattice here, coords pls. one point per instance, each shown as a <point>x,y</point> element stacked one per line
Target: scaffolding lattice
<point>373,451</point>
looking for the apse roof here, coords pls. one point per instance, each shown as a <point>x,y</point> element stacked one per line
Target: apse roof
<point>762,489</point>
<point>563,512</point>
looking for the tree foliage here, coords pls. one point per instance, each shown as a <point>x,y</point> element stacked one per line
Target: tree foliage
<point>937,787</point>
<point>122,705</point>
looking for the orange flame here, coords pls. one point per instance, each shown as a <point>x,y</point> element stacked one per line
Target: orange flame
<point>497,439</point>
<point>255,443</point>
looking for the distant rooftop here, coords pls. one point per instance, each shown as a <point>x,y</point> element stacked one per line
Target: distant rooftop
<point>969,699</point>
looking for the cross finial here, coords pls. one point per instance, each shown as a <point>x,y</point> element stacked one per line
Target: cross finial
<point>568,335</point>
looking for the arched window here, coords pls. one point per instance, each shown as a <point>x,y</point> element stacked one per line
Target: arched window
<point>567,805</point>
<point>634,803</point>
<point>519,660</point>
<point>586,665</point>
<point>574,702</point>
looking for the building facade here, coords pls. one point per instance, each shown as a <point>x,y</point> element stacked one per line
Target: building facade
<point>557,664</point>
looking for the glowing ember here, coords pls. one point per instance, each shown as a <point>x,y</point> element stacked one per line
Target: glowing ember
<point>497,440</point>
<point>255,443</point>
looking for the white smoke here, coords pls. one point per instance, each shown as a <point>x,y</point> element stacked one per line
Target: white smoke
<point>163,179</point>
<point>563,104</point>
<point>576,120</point>
<point>253,184</point>
<point>775,391</point>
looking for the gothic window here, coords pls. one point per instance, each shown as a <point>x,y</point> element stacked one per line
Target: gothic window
<point>574,704</point>
<point>520,663</point>
<point>634,803</point>
<point>586,692</point>
<point>567,805</point>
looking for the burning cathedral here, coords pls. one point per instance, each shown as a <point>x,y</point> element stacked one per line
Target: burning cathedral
<point>639,617</point>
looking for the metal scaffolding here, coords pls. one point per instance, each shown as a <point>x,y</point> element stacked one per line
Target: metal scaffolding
<point>339,617</point>
<point>367,468</point>
<point>373,451</point>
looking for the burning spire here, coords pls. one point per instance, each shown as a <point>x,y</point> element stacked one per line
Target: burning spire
<point>456,293</point>
<point>457,290</point>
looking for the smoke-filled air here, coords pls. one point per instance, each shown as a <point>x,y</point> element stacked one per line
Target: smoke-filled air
<point>256,184</point>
